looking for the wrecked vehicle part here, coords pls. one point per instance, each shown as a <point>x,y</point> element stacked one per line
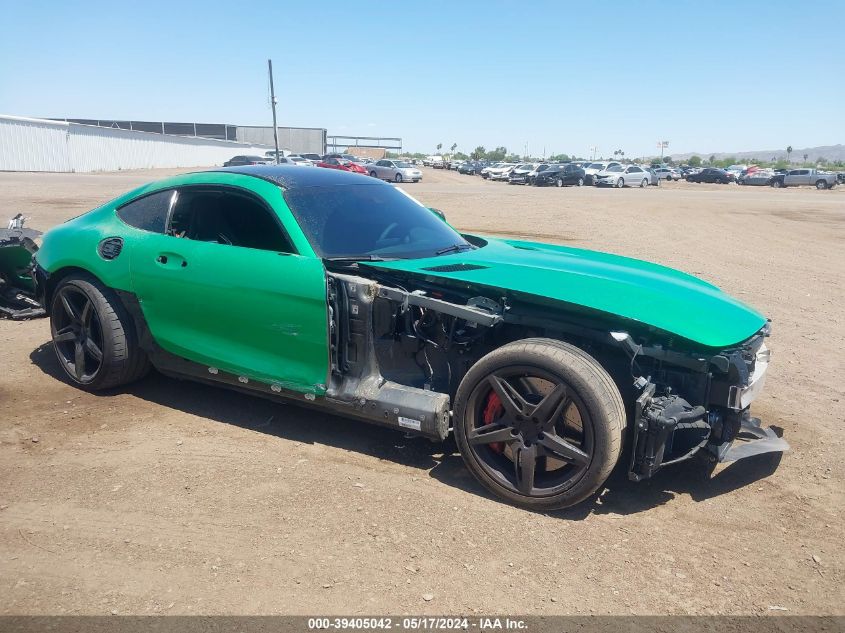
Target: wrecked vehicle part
<point>17,246</point>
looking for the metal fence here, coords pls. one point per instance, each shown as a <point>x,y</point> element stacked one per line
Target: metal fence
<point>57,146</point>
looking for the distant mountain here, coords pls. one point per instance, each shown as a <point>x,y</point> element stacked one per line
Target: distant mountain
<point>831,153</point>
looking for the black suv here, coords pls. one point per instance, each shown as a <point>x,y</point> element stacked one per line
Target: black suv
<point>560,175</point>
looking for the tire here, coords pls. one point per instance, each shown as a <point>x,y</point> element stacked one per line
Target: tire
<point>559,182</point>
<point>580,182</point>
<point>576,458</point>
<point>373,174</point>
<point>821,185</point>
<point>777,184</point>
<point>644,183</point>
<point>87,318</point>
<point>620,183</point>
<point>669,178</point>
<point>397,178</point>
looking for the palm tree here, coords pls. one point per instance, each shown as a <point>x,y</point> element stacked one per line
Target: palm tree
<point>439,146</point>
<point>788,154</point>
<point>805,157</point>
<point>454,147</point>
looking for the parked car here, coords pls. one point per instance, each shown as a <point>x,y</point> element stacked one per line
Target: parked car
<point>667,173</point>
<point>622,176</point>
<point>485,172</point>
<point>711,175</point>
<point>537,169</point>
<point>239,161</point>
<point>560,175</point>
<point>313,158</point>
<point>813,177</point>
<point>519,174</point>
<point>530,347</point>
<point>736,170</point>
<point>395,170</point>
<point>502,173</point>
<point>342,164</point>
<point>594,168</point>
<point>758,177</point>
<point>471,168</point>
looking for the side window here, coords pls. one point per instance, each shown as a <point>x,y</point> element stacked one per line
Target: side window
<point>148,213</point>
<point>227,216</point>
<point>635,170</point>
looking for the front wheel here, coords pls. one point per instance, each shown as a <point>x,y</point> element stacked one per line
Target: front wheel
<point>397,178</point>
<point>644,183</point>
<point>559,182</point>
<point>580,182</point>
<point>539,423</point>
<point>93,336</point>
<point>777,184</point>
<point>373,174</point>
<point>620,183</point>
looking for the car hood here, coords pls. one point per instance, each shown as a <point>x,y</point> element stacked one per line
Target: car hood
<point>640,291</point>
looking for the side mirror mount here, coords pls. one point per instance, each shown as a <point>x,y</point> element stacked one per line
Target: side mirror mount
<point>438,213</point>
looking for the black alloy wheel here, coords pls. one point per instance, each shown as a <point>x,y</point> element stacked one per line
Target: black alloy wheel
<point>77,334</point>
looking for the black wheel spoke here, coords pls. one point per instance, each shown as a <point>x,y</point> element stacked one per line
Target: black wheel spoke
<point>64,335</point>
<point>551,407</point>
<point>490,433</point>
<point>85,317</point>
<point>556,446</point>
<point>513,403</point>
<point>93,350</point>
<point>526,464</point>
<point>71,311</point>
<point>78,360</point>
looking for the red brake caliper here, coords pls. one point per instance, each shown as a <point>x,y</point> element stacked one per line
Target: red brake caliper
<point>492,412</point>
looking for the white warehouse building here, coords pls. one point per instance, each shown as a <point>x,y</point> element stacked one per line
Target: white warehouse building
<point>29,144</point>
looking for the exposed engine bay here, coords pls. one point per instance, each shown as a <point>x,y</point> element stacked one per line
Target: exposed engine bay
<point>400,347</point>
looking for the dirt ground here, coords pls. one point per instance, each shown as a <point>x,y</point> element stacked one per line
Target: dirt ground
<point>172,497</point>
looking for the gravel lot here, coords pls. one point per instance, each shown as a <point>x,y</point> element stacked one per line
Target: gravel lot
<point>172,497</point>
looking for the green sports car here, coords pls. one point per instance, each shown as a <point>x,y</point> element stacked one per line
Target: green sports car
<point>343,292</point>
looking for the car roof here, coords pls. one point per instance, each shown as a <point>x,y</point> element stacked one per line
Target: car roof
<point>292,177</point>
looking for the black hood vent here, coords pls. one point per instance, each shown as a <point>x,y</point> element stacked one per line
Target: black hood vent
<point>455,268</point>
<point>110,247</point>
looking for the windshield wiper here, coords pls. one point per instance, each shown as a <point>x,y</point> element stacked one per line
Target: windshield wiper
<point>355,258</point>
<point>454,248</point>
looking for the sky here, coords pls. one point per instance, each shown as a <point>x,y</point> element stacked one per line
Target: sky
<point>543,76</point>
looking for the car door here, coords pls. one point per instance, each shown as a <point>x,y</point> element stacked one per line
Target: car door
<point>223,286</point>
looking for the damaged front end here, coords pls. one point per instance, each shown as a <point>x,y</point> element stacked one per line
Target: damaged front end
<point>17,246</point>
<point>668,429</point>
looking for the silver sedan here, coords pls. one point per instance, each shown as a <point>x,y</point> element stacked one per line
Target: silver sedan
<point>394,170</point>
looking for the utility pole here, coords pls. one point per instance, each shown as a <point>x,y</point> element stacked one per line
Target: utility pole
<point>273,104</point>
<point>662,145</point>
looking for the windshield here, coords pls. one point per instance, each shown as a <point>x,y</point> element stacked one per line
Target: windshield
<point>615,168</point>
<point>365,219</point>
<point>595,166</point>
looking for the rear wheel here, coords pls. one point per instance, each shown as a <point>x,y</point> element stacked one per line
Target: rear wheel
<point>539,423</point>
<point>821,184</point>
<point>777,184</point>
<point>93,336</point>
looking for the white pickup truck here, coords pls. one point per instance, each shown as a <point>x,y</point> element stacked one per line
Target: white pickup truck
<point>797,177</point>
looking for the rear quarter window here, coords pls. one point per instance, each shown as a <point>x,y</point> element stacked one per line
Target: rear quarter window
<point>148,213</point>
